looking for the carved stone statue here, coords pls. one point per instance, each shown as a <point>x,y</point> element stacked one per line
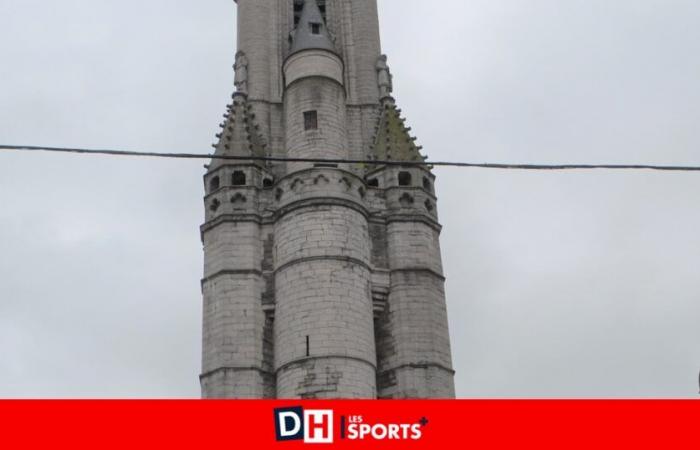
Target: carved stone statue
<point>241,68</point>
<point>386,82</point>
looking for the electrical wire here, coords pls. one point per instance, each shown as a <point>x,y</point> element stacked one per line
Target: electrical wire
<point>499,166</point>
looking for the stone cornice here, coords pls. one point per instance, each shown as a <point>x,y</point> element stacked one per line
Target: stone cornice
<point>222,273</point>
<point>418,366</point>
<point>345,259</point>
<point>320,201</point>
<point>313,358</point>
<point>424,270</point>
<point>230,218</point>
<point>408,217</point>
<point>235,369</point>
<point>319,169</point>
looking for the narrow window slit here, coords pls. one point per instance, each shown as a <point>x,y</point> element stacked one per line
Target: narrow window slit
<point>311,120</point>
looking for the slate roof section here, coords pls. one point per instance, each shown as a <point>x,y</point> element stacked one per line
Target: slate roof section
<point>393,141</point>
<point>311,32</point>
<point>239,134</point>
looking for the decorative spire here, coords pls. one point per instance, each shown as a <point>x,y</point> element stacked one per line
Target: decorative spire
<point>311,33</point>
<point>393,141</point>
<point>240,134</point>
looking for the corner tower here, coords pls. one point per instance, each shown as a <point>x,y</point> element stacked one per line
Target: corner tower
<point>323,279</point>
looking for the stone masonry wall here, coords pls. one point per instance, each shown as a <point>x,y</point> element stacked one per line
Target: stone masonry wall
<point>323,319</point>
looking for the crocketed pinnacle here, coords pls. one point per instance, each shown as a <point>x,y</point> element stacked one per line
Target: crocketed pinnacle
<point>393,141</point>
<point>311,33</point>
<point>240,135</point>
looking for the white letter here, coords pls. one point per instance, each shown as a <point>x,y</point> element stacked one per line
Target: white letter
<point>364,430</point>
<point>318,426</point>
<point>379,432</point>
<point>283,424</point>
<point>417,433</point>
<point>394,432</point>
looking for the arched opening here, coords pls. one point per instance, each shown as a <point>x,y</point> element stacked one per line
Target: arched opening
<point>405,179</point>
<point>267,183</point>
<point>427,185</point>
<point>374,182</point>
<point>238,178</point>
<point>214,184</point>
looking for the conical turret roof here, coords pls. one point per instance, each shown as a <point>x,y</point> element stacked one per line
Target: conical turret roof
<point>311,33</point>
<point>240,134</point>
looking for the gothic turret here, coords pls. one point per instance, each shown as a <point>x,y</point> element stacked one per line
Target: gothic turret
<point>323,311</point>
<point>314,99</point>
<point>233,279</point>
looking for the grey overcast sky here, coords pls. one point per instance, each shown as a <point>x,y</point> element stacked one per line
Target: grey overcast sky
<point>573,284</point>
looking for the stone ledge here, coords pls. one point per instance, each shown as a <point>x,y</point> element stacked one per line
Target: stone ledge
<point>231,272</point>
<point>347,259</point>
<point>407,218</point>
<point>227,218</point>
<point>289,364</point>
<point>418,366</point>
<point>302,172</point>
<point>236,369</point>
<point>420,269</point>
<point>320,201</point>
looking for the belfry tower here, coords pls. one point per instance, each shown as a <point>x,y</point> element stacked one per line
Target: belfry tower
<point>321,280</point>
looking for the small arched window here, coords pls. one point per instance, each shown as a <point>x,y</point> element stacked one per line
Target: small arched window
<point>374,182</point>
<point>267,183</point>
<point>214,184</point>
<point>405,179</point>
<point>238,178</point>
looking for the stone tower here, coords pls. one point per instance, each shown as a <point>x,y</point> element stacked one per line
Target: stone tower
<point>321,280</point>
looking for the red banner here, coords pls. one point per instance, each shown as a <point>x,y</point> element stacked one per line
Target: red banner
<point>359,424</point>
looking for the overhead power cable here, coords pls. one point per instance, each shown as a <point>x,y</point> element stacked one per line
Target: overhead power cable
<point>500,166</point>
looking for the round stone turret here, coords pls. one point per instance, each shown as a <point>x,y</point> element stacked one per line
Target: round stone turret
<point>324,345</point>
<point>314,100</point>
